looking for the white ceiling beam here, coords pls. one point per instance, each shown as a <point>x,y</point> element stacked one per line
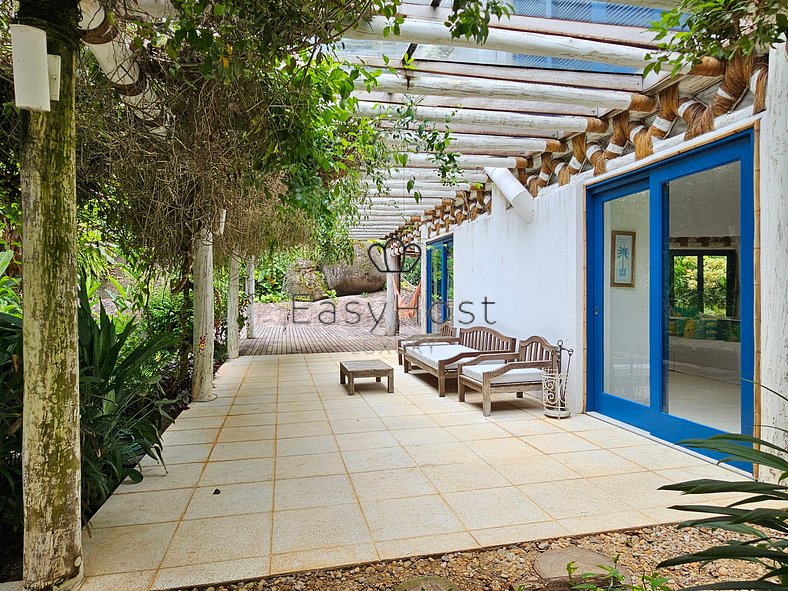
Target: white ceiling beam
<point>453,126</point>
<point>604,80</point>
<point>458,86</point>
<point>562,123</point>
<point>427,193</point>
<point>492,144</point>
<point>519,42</point>
<point>428,161</point>
<point>424,175</point>
<point>480,102</point>
<point>404,202</point>
<point>582,30</point>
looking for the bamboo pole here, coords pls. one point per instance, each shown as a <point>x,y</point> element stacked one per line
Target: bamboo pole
<point>51,468</point>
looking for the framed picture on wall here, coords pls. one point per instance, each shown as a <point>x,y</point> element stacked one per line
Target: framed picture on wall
<point>622,259</point>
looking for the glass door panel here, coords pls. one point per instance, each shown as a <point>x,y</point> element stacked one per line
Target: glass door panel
<point>702,318</point>
<point>626,343</point>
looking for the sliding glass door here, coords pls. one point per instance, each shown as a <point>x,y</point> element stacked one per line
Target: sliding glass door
<point>670,294</point>
<point>440,282</point>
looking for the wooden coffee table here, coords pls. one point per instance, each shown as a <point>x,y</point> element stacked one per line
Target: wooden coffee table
<point>369,368</point>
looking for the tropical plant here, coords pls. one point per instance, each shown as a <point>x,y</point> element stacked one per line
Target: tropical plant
<point>10,302</point>
<point>764,528</point>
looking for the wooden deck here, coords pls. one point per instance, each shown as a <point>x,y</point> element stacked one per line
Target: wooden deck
<point>278,339</point>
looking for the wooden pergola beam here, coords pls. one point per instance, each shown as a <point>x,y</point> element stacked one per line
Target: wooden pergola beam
<point>567,124</point>
<point>494,145</point>
<point>427,193</point>
<point>427,175</point>
<point>422,160</point>
<point>517,42</point>
<point>414,83</point>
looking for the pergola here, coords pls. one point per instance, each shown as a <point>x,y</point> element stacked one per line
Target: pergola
<point>546,98</point>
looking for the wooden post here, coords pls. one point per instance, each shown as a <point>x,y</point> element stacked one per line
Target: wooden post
<point>392,315</point>
<point>774,255</point>
<point>233,288</point>
<point>51,461</point>
<point>202,342</point>
<point>250,287</point>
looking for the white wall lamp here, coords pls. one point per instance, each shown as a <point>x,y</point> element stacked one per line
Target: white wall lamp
<point>36,74</point>
<point>514,191</point>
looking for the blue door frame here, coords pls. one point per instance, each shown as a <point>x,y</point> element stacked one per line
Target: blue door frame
<point>654,178</point>
<point>443,313</point>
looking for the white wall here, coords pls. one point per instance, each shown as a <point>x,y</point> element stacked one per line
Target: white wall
<point>533,272</point>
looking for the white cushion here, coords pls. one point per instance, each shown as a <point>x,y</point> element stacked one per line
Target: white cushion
<point>430,355</point>
<point>515,376</point>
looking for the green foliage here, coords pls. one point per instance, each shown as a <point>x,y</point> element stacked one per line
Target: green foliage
<point>613,578</point>
<point>765,528</point>
<point>717,28</point>
<point>10,301</point>
<point>471,19</point>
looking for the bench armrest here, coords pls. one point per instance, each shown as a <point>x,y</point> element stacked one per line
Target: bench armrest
<point>468,354</point>
<point>481,358</point>
<point>428,340</point>
<point>516,365</point>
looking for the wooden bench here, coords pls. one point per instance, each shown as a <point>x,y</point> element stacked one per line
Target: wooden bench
<point>445,330</point>
<point>369,368</point>
<point>440,356</point>
<point>508,372</point>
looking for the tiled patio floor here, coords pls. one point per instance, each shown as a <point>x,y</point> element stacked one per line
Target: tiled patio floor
<point>285,471</point>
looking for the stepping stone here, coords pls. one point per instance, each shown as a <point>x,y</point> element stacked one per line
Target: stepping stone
<point>427,583</point>
<point>552,564</point>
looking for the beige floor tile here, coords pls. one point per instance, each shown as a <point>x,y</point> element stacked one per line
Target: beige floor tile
<point>206,410</point>
<point>514,534</point>
<point>230,499</point>
<point>109,550</point>
<point>494,507</point>
<point>598,462</point>
<point>237,471</point>
<point>581,422</point>
<point>606,522</point>
<point>250,420</point>
<point>300,446</point>
<point>315,491</point>
<point>391,484</point>
<point>303,429</point>
<point>551,443</point>
<point>310,465</point>
<point>251,433</point>
<point>156,478</point>
<point>458,477</point>
<point>641,491</point>
<point>360,425</point>
<point>300,530</point>
<point>503,450</point>
<point>655,456</point>
<point>704,470</point>
<point>576,498</point>
<point>290,406</point>
<point>373,440</point>
<point>246,398</point>
<point>533,469</point>
<point>369,460</point>
<point>403,409</point>
<point>133,581</point>
<point>356,410</point>
<point>392,519</point>
<point>142,507</point>
<point>396,423</point>
<point>302,416</point>
<point>253,409</point>
<point>242,450</point>
<point>427,436</point>
<point>190,436</point>
<point>610,437</point>
<point>476,432</point>
<point>390,549</point>
<point>451,419</point>
<point>322,558</point>
<point>181,454</point>
<point>529,426</point>
<point>211,572</point>
<point>230,538</point>
<point>441,453</point>
<point>183,422</point>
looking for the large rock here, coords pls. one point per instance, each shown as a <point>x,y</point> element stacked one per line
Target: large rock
<point>304,279</point>
<point>357,277</point>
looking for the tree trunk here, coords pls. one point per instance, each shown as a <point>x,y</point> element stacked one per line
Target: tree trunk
<point>250,294</point>
<point>774,255</point>
<point>202,343</point>
<point>232,308</point>
<point>392,315</point>
<point>51,451</point>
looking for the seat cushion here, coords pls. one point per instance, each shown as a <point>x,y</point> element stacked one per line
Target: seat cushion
<point>516,376</point>
<point>430,355</point>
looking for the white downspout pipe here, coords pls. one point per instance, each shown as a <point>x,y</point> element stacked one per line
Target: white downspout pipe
<point>514,191</point>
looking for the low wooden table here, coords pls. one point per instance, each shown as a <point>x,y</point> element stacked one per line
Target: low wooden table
<point>370,368</point>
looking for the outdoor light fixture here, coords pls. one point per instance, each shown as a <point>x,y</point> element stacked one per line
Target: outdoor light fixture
<point>36,74</point>
<point>514,191</point>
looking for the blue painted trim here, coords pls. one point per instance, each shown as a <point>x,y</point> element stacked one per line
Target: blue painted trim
<point>443,284</point>
<point>739,147</point>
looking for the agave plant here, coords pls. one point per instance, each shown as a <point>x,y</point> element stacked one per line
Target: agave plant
<point>761,516</point>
